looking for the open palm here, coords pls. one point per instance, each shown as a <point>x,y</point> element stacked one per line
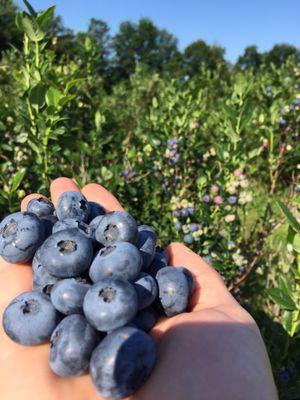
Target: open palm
<point>214,351</point>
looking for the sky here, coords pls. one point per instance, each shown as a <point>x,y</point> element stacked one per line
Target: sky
<point>232,24</point>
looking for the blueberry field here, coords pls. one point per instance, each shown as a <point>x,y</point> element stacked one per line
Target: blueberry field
<point>206,152</point>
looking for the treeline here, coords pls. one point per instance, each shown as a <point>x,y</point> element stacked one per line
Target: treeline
<point>141,42</point>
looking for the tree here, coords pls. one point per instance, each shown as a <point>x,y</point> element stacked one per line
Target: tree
<point>9,34</point>
<point>280,53</point>
<point>144,43</point>
<point>250,59</point>
<point>199,53</point>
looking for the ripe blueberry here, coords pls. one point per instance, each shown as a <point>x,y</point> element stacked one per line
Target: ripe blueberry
<point>72,204</point>
<point>146,289</point>
<point>41,207</point>
<point>67,295</point>
<point>122,362</point>
<point>95,210</point>
<point>110,304</point>
<point>117,226</point>
<point>30,318</point>
<point>145,319</point>
<point>120,260</point>
<point>66,254</point>
<point>71,346</point>
<point>146,243</point>
<point>173,290</point>
<point>21,234</point>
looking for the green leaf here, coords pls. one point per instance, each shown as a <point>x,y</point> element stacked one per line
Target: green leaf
<point>17,179</point>
<point>37,95</point>
<point>292,220</point>
<point>53,96</point>
<point>154,102</point>
<point>30,8</point>
<point>284,285</point>
<point>30,27</point>
<point>287,321</point>
<point>72,83</point>
<point>46,16</point>
<point>231,113</point>
<point>66,99</point>
<point>296,243</point>
<point>281,298</point>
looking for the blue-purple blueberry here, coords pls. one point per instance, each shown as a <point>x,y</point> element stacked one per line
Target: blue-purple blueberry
<point>110,304</point>
<point>21,233</point>
<point>42,281</point>
<point>71,346</point>
<point>70,223</point>
<point>117,226</point>
<point>72,204</point>
<point>145,319</point>
<point>30,318</point>
<point>120,260</point>
<point>95,210</point>
<point>66,254</point>
<point>146,243</point>
<point>173,290</point>
<point>122,362</point>
<point>146,289</point>
<point>67,295</point>
<point>40,206</point>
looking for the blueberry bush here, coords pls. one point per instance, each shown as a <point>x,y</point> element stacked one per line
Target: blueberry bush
<point>211,158</point>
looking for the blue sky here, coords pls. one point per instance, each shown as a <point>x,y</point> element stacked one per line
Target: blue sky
<point>233,24</point>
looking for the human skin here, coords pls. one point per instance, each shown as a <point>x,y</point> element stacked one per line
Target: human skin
<point>214,351</point>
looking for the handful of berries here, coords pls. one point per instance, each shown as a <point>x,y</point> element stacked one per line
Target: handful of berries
<point>99,285</point>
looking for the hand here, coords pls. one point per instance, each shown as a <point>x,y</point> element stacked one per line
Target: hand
<point>213,352</point>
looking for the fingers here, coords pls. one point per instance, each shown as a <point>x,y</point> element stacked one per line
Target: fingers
<point>97,193</point>
<point>27,199</point>
<point>210,289</point>
<point>61,185</point>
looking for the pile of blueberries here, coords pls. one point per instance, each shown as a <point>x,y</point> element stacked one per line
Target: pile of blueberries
<point>99,285</point>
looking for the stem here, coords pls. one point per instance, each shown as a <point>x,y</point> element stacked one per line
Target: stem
<point>37,55</point>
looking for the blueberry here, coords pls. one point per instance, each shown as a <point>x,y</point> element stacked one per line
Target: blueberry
<point>188,239</point>
<point>42,281</point>
<point>21,234</point>
<point>161,260</point>
<point>120,260</point>
<point>173,290</point>
<point>122,362</point>
<point>285,375</point>
<point>193,227</point>
<point>162,255</point>
<point>117,226</point>
<point>178,226</point>
<point>95,210</point>
<point>110,304</point>
<point>184,212</point>
<point>68,294</point>
<point>30,318</point>
<point>146,243</point>
<point>66,254</point>
<point>94,225</point>
<point>145,319</point>
<point>146,288</point>
<point>189,278</point>
<point>70,223</point>
<point>48,223</point>
<point>71,346</point>
<point>73,205</point>
<point>36,262</point>
<point>41,207</point>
